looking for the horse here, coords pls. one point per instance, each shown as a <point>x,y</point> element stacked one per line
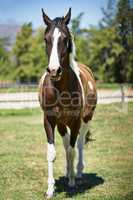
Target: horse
<point>67,96</point>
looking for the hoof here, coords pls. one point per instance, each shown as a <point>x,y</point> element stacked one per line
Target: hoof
<point>67,175</point>
<point>79,175</point>
<point>71,183</point>
<point>49,193</point>
<point>49,196</point>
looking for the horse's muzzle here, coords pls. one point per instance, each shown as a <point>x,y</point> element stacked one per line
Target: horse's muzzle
<point>55,74</point>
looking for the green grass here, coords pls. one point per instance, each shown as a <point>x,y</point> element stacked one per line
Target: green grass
<point>109,157</point>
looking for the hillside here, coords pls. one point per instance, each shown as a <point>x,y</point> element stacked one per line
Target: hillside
<point>9,30</point>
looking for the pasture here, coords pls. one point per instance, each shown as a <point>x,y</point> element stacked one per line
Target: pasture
<point>108,172</point>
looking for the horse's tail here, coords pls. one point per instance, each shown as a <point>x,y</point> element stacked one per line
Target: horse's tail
<point>88,137</point>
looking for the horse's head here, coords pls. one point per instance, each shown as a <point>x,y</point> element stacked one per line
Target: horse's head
<point>58,43</point>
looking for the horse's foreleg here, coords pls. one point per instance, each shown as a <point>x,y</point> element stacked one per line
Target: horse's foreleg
<point>66,142</point>
<point>80,146</point>
<point>51,154</point>
<point>71,174</point>
<point>71,154</point>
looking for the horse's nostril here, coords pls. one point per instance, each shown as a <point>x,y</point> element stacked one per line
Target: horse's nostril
<point>48,70</point>
<point>59,71</point>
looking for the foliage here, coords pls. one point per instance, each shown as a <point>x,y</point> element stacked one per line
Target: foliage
<point>108,14</point>
<point>29,53</point>
<point>110,47</point>
<point>75,27</point>
<point>20,52</point>
<point>107,49</point>
<point>38,58</point>
<point>4,58</point>
<point>124,25</point>
<point>104,51</point>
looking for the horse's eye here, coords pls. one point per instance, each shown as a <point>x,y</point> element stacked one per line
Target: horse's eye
<point>64,40</point>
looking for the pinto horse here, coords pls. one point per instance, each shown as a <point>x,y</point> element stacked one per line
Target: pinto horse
<point>67,95</point>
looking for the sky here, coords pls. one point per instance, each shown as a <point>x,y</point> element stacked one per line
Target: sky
<point>21,11</point>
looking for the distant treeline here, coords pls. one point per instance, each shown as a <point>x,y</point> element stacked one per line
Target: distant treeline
<point>107,48</point>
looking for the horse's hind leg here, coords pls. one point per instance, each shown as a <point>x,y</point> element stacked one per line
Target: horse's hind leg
<point>69,144</point>
<point>80,146</point>
<point>66,141</point>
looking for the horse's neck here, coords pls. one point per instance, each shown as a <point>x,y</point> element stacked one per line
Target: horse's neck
<point>62,85</point>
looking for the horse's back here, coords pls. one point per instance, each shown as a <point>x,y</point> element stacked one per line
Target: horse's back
<point>90,92</point>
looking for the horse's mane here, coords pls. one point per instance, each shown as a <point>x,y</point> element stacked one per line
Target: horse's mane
<point>74,66</point>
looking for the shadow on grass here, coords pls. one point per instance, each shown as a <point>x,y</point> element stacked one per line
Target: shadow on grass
<point>129,196</point>
<point>87,182</point>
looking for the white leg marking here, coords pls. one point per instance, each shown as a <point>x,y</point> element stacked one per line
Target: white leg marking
<point>80,145</point>
<point>66,142</point>
<point>71,155</point>
<point>54,59</point>
<point>51,155</point>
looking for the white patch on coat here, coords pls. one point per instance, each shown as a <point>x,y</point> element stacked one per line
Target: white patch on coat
<point>90,85</point>
<point>75,68</point>
<point>54,58</point>
<point>41,87</point>
<point>66,141</point>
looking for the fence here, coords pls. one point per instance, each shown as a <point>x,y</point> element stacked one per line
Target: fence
<point>26,95</point>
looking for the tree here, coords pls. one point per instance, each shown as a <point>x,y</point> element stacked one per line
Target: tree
<point>81,40</point>
<point>22,43</point>
<point>38,58</point>
<point>4,58</point>
<point>30,55</point>
<point>108,14</point>
<point>124,24</point>
<point>20,51</point>
<point>75,27</point>
<point>104,51</point>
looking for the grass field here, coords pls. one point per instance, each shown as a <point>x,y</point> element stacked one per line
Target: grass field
<point>109,157</point>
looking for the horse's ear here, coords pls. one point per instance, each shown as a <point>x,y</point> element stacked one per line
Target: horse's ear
<point>67,17</point>
<point>46,19</point>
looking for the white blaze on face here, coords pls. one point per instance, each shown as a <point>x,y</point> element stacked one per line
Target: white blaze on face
<point>54,59</point>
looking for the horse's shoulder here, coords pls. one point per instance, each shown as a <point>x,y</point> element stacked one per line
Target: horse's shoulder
<point>41,87</point>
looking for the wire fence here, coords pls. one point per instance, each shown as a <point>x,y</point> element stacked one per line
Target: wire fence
<point>14,95</point>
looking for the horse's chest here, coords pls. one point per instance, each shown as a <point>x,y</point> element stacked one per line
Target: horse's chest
<point>66,114</point>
